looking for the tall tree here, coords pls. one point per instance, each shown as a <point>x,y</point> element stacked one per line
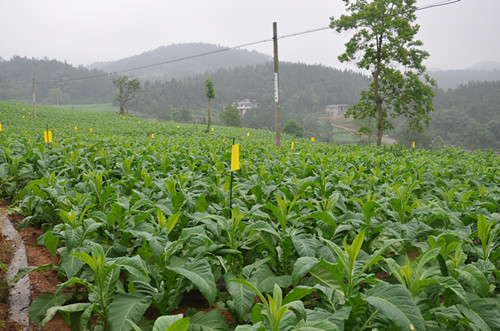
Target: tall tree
<point>384,44</point>
<point>127,89</point>
<point>292,127</point>
<point>230,116</point>
<point>210,94</point>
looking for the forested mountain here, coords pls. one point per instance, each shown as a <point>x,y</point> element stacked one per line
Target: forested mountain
<point>304,89</point>
<point>454,78</point>
<point>214,57</point>
<point>468,116</point>
<point>56,82</point>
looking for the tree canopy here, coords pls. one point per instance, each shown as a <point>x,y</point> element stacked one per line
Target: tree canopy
<point>127,89</point>
<point>210,94</point>
<point>230,116</point>
<point>292,127</point>
<point>384,44</point>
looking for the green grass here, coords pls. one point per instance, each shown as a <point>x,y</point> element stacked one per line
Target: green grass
<point>99,107</point>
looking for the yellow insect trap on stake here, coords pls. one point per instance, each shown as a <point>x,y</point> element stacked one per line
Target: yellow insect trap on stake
<point>235,157</point>
<point>0,127</point>
<point>292,145</point>
<point>47,136</point>
<point>413,145</point>
<point>312,139</point>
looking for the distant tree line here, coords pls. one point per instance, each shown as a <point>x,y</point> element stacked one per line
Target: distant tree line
<point>305,89</point>
<point>56,82</point>
<point>468,117</point>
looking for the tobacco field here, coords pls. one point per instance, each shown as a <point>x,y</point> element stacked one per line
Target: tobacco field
<point>318,237</point>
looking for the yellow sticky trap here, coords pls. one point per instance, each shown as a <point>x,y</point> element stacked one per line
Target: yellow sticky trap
<point>235,157</point>
<point>312,139</point>
<point>90,129</point>
<point>177,126</point>
<point>47,136</point>
<point>223,140</point>
<point>292,145</point>
<point>0,127</point>
<point>76,128</point>
<point>413,145</point>
<point>152,135</point>
<point>248,134</point>
<point>212,129</point>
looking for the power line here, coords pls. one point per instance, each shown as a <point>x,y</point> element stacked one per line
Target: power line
<point>443,3</point>
<point>439,4</point>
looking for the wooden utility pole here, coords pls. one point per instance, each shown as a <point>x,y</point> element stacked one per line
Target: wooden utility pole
<point>34,98</point>
<point>277,124</point>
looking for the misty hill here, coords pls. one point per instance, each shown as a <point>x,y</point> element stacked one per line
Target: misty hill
<point>480,72</point>
<point>56,82</point>
<point>219,57</point>
<point>487,65</point>
<point>304,89</point>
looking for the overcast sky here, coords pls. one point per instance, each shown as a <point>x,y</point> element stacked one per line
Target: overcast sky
<point>85,31</point>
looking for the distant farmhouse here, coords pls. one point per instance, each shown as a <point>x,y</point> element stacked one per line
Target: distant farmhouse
<point>335,110</point>
<point>245,105</point>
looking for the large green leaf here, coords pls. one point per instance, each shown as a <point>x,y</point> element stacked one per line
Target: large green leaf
<point>200,274</point>
<point>453,285</point>
<point>43,302</point>
<point>475,279</point>
<point>71,265</point>
<point>394,304</point>
<point>329,275</point>
<point>305,244</point>
<point>75,307</point>
<point>127,306</point>
<point>242,296</point>
<point>481,315</point>
<point>163,323</point>
<point>315,326</point>
<point>51,241</point>
<point>212,321</point>
<point>297,294</point>
<point>134,265</point>
<point>73,237</point>
<point>302,267</point>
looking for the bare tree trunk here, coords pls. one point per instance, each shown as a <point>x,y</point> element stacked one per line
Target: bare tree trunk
<point>209,117</point>
<point>378,98</point>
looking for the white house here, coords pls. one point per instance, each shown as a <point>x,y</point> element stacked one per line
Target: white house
<point>335,110</point>
<point>245,105</point>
